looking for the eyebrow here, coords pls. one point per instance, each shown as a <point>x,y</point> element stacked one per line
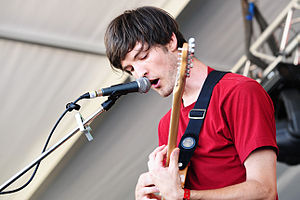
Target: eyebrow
<point>139,51</point>
<point>136,55</point>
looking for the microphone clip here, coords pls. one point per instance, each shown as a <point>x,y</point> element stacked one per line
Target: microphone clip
<point>110,101</point>
<point>84,129</point>
<point>71,106</point>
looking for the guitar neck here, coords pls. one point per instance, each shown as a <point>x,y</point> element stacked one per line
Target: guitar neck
<point>186,52</point>
<point>175,113</point>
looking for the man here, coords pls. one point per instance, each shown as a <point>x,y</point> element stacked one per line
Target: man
<point>236,154</point>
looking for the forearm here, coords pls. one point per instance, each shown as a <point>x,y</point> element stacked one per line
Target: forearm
<point>260,178</point>
<point>250,189</point>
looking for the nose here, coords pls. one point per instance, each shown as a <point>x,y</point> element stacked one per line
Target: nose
<point>140,71</point>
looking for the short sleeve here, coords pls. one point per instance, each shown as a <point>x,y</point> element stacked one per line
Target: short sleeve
<point>250,117</point>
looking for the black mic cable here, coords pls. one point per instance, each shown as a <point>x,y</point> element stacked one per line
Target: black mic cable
<point>69,108</point>
<point>141,85</point>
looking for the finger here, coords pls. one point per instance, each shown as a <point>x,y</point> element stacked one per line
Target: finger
<point>158,161</point>
<point>147,193</point>
<point>149,190</point>
<point>150,198</point>
<point>151,165</point>
<point>154,196</point>
<point>160,157</point>
<point>173,166</point>
<point>144,180</point>
<point>153,154</point>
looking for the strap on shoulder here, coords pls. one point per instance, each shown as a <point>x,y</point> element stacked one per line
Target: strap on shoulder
<point>189,140</point>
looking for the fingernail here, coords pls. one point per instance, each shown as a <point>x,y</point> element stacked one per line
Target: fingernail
<point>176,152</point>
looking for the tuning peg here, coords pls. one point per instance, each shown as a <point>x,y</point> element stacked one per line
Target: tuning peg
<point>188,72</point>
<point>192,45</point>
<point>191,40</point>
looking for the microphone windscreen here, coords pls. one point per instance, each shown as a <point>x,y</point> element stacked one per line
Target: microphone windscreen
<point>144,84</point>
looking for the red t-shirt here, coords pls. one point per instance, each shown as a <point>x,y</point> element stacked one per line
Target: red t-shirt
<point>239,119</point>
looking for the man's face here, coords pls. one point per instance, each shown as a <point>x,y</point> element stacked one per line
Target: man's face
<point>158,64</point>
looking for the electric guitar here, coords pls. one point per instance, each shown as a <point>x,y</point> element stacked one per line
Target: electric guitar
<point>185,63</point>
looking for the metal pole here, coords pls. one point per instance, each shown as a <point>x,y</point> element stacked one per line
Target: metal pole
<point>50,150</point>
<point>52,41</point>
<point>263,37</point>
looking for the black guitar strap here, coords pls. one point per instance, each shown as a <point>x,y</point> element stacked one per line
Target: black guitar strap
<point>189,140</point>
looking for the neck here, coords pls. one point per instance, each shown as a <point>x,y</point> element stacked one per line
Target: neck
<point>194,83</point>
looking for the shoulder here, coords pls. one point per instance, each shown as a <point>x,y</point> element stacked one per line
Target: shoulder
<point>238,86</point>
<point>238,93</point>
<point>235,81</point>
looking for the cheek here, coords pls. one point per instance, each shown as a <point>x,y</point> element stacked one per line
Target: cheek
<point>135,75</point>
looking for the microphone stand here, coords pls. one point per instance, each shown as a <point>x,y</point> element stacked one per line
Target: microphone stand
<point>83,126</point>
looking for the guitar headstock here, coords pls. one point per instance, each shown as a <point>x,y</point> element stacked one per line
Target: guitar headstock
<point>185,57</point>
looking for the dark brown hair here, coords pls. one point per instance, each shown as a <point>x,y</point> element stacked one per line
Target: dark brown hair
<point>148,25</point>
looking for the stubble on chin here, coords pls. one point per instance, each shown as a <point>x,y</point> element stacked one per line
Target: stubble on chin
<point>165,92</point>
<point>170,77</point>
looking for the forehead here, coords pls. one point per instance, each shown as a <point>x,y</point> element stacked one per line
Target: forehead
<point>133,53</point>
<point>137,48</point>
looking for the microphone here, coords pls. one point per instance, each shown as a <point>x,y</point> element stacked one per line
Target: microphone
<point>141,85</point>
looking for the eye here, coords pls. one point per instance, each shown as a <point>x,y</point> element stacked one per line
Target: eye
<point>129,69</point>
<point>144,56</point>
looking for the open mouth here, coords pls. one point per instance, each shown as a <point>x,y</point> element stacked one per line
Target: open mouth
<point>154,81</point>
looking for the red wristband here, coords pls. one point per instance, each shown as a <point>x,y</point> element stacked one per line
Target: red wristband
<point>187,194</point>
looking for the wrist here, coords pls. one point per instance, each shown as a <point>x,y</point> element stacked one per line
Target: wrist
<point>180,194</point>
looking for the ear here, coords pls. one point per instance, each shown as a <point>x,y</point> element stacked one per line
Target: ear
<point>172,45</point>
